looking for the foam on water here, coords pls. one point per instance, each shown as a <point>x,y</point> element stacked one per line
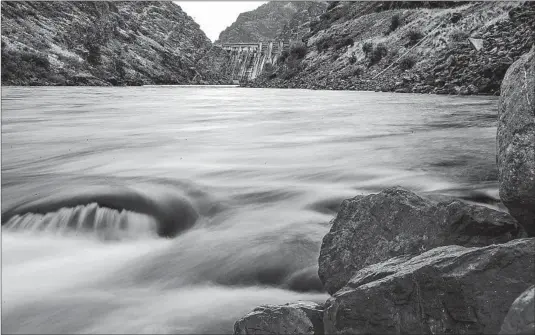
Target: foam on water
<point>109,212</point>
<point>103,223</point>
<point>37,267</point>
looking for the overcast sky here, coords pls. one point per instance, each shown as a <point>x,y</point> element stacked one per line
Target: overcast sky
<point>215,16</point>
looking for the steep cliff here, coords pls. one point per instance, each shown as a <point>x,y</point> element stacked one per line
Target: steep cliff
<point>273,20</point>
<point>300,23</point>
<point>105,43</point>
<point>424,47</point>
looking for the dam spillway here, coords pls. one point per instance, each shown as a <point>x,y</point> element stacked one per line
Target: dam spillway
<point>248,60</point>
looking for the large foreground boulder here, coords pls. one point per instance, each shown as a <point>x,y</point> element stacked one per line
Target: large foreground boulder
<point>521,316</point>
<point>447,290</point>
<point>515,141</point>
<point>296,318</point>
<point>371,229</point>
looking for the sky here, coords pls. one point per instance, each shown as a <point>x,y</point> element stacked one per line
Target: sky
<point>215,16</point>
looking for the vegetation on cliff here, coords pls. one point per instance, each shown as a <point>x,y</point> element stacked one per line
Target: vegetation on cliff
<point>421,47</point>
<point>104,43</point>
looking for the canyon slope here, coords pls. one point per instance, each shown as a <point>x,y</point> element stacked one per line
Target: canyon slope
<point>274,20</point>
<point>420,47</point>
<point>105,43</point>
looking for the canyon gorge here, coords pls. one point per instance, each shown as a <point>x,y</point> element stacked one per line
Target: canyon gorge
<point>420,47</point>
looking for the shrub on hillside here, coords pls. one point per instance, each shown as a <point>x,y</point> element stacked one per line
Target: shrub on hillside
<point>455,17</point>
<point>358,71</point>
<point>352,59</point>
<point>298,51</point>
<point>379,51</point>
<point>93,56</point>
<point>395,22</point>
<point>119,67</point>
<point>348,41</point>
<point>414,36</point>
<point>36,60</point>
<point>21,66</point>
<point>323,44</point>
<point>325,17</point>
<point>367,47</point>
<point>293,67</point>
<point>407,63</point>
<point>313,24</point>
<point>292,60</point>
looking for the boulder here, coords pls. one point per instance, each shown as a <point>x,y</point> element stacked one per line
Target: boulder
<point>447,290</point>
<point>516,141</point>
<point>371,229</point>
<point>296,318</point>
<point>521,316</point>
<point>477,43</point>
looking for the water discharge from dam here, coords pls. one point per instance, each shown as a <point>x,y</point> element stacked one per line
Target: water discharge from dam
<point>180,209</point>
<point>248,60</point>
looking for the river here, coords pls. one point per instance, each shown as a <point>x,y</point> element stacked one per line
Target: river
<point>180,209</point>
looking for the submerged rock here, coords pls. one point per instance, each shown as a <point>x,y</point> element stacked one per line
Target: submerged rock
<point>371,229</point>
<point>447,290</point>
<point>516,141</point>
<point>296,318</point>
<point>521,316</point>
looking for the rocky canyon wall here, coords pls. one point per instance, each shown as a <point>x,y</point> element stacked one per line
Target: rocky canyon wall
<point>410,47</point>
<point>105,43</point>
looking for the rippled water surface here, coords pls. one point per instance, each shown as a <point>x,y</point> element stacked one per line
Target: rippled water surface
<point>180,209</point>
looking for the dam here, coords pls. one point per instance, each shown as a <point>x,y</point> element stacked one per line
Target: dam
<point>248,60</point>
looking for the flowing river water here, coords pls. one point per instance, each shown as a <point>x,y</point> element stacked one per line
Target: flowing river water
<point>180,209</point>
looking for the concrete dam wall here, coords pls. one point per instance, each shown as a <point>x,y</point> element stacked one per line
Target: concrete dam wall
<point>248,60</point>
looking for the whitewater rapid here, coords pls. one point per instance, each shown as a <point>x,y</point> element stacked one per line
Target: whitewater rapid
<point>180,209</point>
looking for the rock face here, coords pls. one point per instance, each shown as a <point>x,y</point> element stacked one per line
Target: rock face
<point>299,24</point>
<point>371,229</point>
<point>447,290</point>
<point>271,21</point>
<point>392,46</point>
<point>296,318</point>
<point>104,43</point>
<point>516,141</point>
<point>521,316</point>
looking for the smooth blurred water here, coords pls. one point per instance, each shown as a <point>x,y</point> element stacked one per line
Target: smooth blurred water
<point>265,169</point>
